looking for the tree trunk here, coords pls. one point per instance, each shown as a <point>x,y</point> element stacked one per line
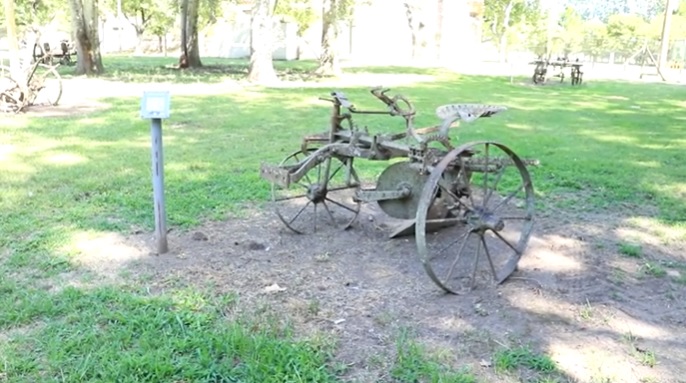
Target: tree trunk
<point>502,47</point>
<point>13,42</point>
<point>261,46</point>
<point>415,26</point>
<point>190,57</point>
<point>85,25</point>
<point>438,43</point>
<point>328,60</point>
<point>139,42</point>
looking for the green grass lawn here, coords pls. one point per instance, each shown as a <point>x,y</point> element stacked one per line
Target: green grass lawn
<point>604,145</point>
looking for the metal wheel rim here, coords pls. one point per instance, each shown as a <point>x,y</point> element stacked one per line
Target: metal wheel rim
<point>428,193</point>
<point>53,92</point>
<point>325,211</point>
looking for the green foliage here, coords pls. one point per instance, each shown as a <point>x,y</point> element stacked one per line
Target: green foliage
<point>595,39</point>
<point>300,11</point>
<point>414,364</point>
<point>571,32</point>
<point>31,14</point>
<point>626,33</point>
<point>521,11</point>
<point>630,250</point>
<point>117,334</point>
<point>513,358</point>
<point>146,15</point>
<point>602,10</point>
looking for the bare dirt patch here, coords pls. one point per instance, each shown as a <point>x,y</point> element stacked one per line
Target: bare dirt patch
<point>598,313</point>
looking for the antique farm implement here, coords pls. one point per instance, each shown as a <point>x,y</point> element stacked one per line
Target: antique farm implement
<point>461,203</point>
<point>542,71</point>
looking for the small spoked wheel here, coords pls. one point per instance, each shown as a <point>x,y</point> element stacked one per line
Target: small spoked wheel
<point>487,190</point>
<point>322,199</point>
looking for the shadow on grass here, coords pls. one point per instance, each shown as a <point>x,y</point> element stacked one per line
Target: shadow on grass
<point>217,70</point>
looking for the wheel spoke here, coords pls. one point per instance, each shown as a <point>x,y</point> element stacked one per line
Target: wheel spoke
<point>314,219</point>
<point>517,217</point>
<point>488,256</point>
<point>299,212</point>
<point>509,197</point>
<point>341,205</point>
<point>486,173</point>
<point>289,198</point>
<point>476,262</point>
<point>461,238</point>
<point>457,257</point>
<point>328,211</point>
<point>495,185</point>
<point>319,172</point>
<point>506,242</point>
<point>463,172</point>
<point>335,171</point>
<point>446,189</point>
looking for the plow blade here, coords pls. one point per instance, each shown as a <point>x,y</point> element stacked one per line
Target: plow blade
<point>408,227</point>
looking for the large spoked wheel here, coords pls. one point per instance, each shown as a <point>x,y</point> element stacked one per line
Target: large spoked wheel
<point>46,86</point>
<point>322,199</point>
<point>488,192</point>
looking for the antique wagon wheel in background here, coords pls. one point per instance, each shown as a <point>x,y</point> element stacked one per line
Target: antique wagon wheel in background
<point>322,198</point>
<point>489,193</point>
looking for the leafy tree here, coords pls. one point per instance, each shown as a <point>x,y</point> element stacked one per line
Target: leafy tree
<point>299,11</point>
<point>571,32</point>
<point>333,12</point>
<point>31,14</point>
<point>602,10</point>
<point>501,15</point>
<point>595,39</point>
<point>145,15</point>
<point>626,33</point>
<point>85,25</point>
<point>535,35</point>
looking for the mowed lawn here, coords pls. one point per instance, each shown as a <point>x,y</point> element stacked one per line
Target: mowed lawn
<point>604,146</point>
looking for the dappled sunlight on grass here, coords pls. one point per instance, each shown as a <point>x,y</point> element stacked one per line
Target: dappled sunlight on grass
<point>62,159</point>
<point>648,164</point>
<point>519,126</point>
<point>651,229</point>
<point>610,137</point>
<point>105,253</point>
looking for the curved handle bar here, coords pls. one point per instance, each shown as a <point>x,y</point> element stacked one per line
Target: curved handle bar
<point>395,109</point>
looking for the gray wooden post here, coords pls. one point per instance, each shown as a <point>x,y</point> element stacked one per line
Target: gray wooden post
<point>158,186</point>
<point>155,106</point>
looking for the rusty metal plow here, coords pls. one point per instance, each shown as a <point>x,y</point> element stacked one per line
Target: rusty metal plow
<point>470,208</point>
